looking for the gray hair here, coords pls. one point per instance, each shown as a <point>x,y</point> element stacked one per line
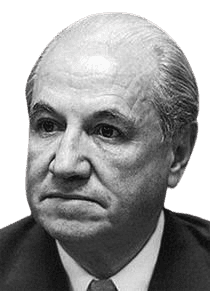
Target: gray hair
<point>174,91</point>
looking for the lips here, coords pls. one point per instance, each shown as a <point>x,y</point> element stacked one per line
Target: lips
<point>69,197</point>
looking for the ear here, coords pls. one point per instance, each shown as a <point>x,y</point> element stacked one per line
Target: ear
<point>182,149</point>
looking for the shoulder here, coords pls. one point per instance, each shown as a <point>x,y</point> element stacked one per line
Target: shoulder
<point>191,225</point>
<point>23,232</point>
<point>189,235</point>
<point>29,259</point>
<point>17,239</point>
<point>16,229</point>
<point>184,258</point>
<point>15,232</point>
<point>12,237</point>
<point>18,225</point>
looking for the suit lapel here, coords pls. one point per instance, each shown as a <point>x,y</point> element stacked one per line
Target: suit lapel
<point>181,262</point>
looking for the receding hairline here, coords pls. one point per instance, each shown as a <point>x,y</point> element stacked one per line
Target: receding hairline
<point>111,29</point>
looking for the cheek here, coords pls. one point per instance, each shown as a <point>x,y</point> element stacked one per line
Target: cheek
<point>39,157</point>
<point>138,168</point>
<point>40,152</point>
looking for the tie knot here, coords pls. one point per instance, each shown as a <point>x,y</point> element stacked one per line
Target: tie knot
<point>101,285</point>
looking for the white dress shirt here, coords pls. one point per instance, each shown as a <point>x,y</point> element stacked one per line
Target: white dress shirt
<point>135,276</point>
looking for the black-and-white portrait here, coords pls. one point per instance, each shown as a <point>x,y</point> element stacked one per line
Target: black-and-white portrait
<point>104,149</point>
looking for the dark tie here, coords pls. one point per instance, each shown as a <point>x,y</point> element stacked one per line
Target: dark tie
<point>101,285</point>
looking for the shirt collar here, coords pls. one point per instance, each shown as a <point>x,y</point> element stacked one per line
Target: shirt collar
<point>139,270</point>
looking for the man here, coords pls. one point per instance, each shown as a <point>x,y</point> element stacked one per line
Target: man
<point>113,105</point>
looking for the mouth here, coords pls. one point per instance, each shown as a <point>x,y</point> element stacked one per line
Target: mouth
<point>72,197</point>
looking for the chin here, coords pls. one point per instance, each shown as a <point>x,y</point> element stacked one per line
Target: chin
<point>72,231</point>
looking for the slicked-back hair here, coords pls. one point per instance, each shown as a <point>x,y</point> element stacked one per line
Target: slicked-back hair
<point>175,92</point>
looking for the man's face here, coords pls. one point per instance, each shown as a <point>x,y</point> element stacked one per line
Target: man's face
<point>97,165</point>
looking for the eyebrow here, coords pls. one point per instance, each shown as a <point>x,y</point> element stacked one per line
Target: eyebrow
<point>116,116</point>
<point>40,107</point>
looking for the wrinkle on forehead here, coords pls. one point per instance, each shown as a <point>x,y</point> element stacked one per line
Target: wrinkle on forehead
<point>132,72</point>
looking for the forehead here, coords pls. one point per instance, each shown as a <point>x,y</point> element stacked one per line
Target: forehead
<point>92,65</point>
<point>95,64</point>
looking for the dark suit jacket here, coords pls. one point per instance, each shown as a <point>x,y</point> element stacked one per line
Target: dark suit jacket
<point>29,260</point>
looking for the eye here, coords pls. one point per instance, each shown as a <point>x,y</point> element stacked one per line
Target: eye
<point>47,126</point>
<point>108,131</point>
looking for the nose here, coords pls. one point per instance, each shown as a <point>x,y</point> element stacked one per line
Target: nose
<point>70,159</point>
